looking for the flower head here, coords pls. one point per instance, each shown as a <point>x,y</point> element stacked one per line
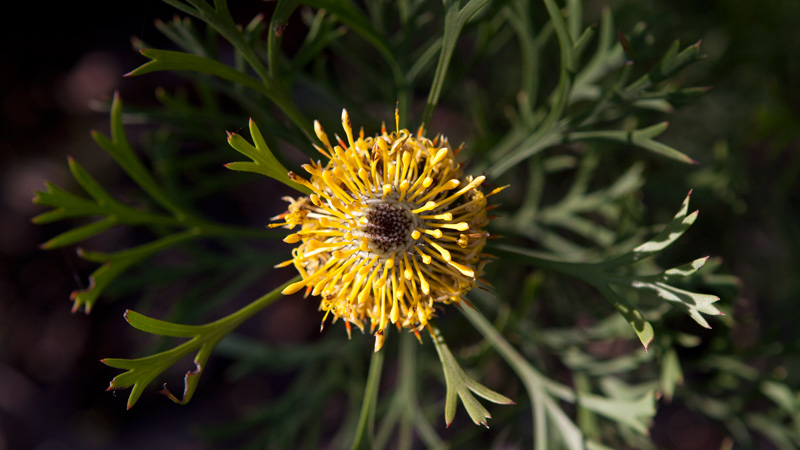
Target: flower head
<point>392,229</point>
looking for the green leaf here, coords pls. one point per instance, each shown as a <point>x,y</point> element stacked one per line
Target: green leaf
<point>461,385</point>
<point>671,63</point>
<point>538,386</point>
<point>684,270</point>
<point>782,395</point>
<point>633,316</point>
<point>69,205</point>
<point>182,32</point>
<point>636,414</point>
<point>602,275</point>
<point>140,372</point>
<point>565,42</point>
<point>674,230</point>
<point>550,131</point>
<point>90,185</point>
<point>608,56</point>
<point>641,138</point>
<point>78,234</point>
<point>264,162</point>
<point>114,264</point>
<point>160,327</point>
<point>120,149</point>
<point>455,17</point>
<point>778,434</point>
<point>583,40</point>
<point>180,61</point>
<point>66,205</point>
<point>349,14</point>
<point>280,16</point>
<point>671,373</point>
<point>694,303</point>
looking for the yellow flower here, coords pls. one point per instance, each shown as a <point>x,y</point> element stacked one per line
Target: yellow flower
<point>392,229</point>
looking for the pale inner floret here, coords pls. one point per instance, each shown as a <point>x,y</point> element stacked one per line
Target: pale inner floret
<point>389,226</point>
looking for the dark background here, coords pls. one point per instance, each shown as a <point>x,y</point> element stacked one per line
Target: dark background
<point>59,59</point>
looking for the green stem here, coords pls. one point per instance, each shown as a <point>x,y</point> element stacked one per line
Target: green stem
<point>219,230</point>
<point>370,398</point>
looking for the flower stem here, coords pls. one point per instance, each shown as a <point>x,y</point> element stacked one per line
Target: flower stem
<point>370,398</point>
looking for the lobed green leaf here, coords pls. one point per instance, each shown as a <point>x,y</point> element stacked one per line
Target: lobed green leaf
<point>120,149</point>
<point>142,371</point>
<point>180,61</point>
<point>671,373</point>
<point>160,327</point>
<point>264,162</point>
<point>671,63</point>
<point>674,230</point>
<point>78,234</point>
<point>66,204</point>
<point>636,414</point>
<point>694,302</point>
<point>634,317</point>
<point>460,385</point>
<point>642,138</point>
<point>115,264</point>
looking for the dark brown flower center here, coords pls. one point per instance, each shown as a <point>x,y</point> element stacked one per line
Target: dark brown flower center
<point>389,226</point>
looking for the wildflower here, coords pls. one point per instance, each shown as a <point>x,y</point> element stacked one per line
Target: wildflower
<point>391,230</point>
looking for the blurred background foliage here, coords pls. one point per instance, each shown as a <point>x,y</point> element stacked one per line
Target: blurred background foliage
<point>263,385</point>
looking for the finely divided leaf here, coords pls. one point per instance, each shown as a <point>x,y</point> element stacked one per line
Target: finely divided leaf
<point>114,264</point>
<point>264,162</point>
<point>694,303</point>
<point>642,138</point>
<point>636,414</point>
<point>171,60</point>
<point>633,316</point>
<point>461,385</point>
<point>679,224</point>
